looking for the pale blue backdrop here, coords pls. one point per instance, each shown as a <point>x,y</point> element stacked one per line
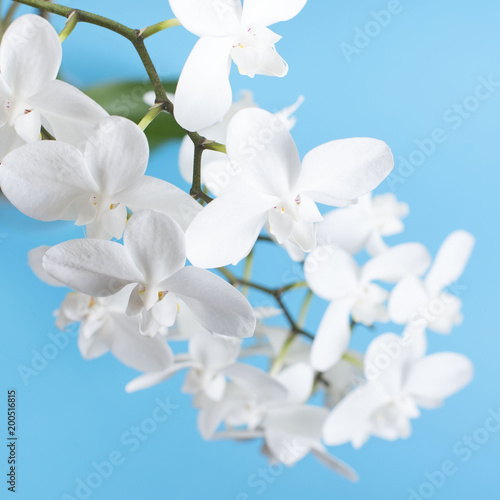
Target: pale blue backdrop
<point>417,73</point>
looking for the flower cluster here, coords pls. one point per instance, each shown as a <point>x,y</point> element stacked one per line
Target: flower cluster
<point>140,280</point>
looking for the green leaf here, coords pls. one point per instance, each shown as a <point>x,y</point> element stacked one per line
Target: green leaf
<point>127,99</point>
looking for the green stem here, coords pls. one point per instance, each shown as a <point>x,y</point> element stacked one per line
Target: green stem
<point>354,361</point>
<point>276,294</point>
<point>196,189</point>
<point>156,28</point>
<point>247,273</point>
<point>9,16</point>
<point>150,116</point>
<point>280,359</point>
<point>69,26</point>
<point>292,286</point>
<point>305,307</point>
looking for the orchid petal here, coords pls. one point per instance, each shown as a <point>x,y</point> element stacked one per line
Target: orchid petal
<point>208,17</point>
<point>217,305</point>
<point>225,231</point>
<point>450,261</point>
<point>345,169</point>
<point>70,113</point>
<point>263,152</point>
<point>203,94</point>
<point>396,263</point>
<point>116,153</point>
<point>333,336</point>
<point>142,353</point>
<point>47,180</point>
<point>157,194</point>
<point>30,54</point>
<point>155,243</point>
<point>331,272</point>
<point>95,267</point>
<point>407,299</point>
<point>438,376</point>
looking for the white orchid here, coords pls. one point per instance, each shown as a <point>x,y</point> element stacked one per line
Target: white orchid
<point>423,302</point>
<point>400,379</point>
<point>351,292</point>
<point>104,327</point>
<point>216,169</point>
<point>343,377</point>
<point>227,31</point>
<point>273,409</point>
<point>209,354</point>
<point>53,180</point>
<point>153,258</point>
<point>363,224</point>
<point>30,95</point>
<point>272,186</point>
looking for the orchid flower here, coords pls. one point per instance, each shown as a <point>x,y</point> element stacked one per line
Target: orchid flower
<point>423,301</point>
<point>216,170</point>
<point>104,327</point>
<point>343,377</point>
<point>209,354</point>
<point>363,224</point>
<point>400,379</point>
<point>351,292</point>
<point>290,429</point>
<point>153,258</point>
<point>227,31</point>
<point>53,180</point>
<point>272,186</point>
<point>30,95</point>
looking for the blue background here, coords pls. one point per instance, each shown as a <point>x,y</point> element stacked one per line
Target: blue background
<point>399,88</point>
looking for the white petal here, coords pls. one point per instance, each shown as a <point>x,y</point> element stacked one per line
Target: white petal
<point>156,194</point>
<point>116,153</point>
<point>142,353</point>
<point>386,361</point>
<point>155,243</point>
<point>334,463</point>
<point>208,17</point>
<point>396,263</point>
<point>150,379</point>
<point>91,347</point>
<point>333,336</point>
<point>9,139</point>
<point>213,351</point>
<point>450,261</point>
<point>30,55</point>
<point>217,305</point>
<point>299,380</point>
<point>47,180</point>
<point>438,376</point>
<point>203,94</point>
<point>35,258</point>
<point>292,431</point>
<point>256,383</point>
<point>225,230</point>
<point>345,169</point>
<point>28,126</point>
<point>347,228</point>
<point>263,152</point>
<point>267,12</point>
<point>351,417</point>
<point>165,310</point>
<point>407,299</point>
<point>331,272</point>
<point>94,267</point>
<point>71,114</point>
